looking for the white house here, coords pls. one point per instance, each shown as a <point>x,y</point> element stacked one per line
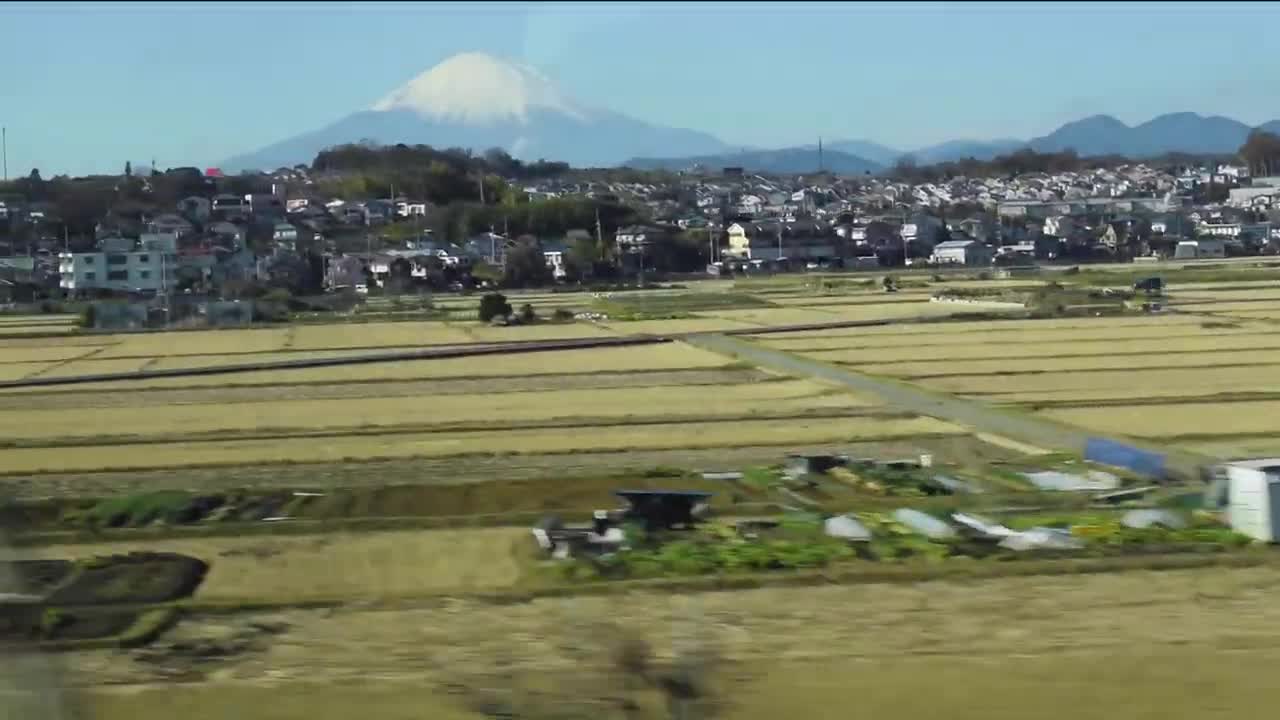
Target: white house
<point>411,209</point>
<point>555,261</point>
<point>284,232</point>
<point>1227,230</point>
<point>775,241</point>
<point>634,238</point>
<point>961,252</point>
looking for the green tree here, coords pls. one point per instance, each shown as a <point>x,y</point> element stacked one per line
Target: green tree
<point>527,266</point>
<point>128,169</point>
<point>581,257</point>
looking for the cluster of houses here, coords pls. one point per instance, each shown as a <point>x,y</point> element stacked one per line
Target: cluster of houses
<point>748,220</point>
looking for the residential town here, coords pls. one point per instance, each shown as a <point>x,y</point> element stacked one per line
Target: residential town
<point>288,232</point>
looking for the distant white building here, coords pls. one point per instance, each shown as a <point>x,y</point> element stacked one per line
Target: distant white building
<point>1200,248</point>
<point>128,271</point>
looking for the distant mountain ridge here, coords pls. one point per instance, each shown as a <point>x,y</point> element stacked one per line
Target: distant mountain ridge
<point>1183,132</point>
<point>785,161</point>
<point>476,101</point>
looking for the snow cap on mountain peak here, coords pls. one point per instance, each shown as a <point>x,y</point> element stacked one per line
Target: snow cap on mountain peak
<point>476,87</point>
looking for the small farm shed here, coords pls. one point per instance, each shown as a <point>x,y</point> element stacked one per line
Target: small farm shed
<point>661,509</point>
<point>962,252</point>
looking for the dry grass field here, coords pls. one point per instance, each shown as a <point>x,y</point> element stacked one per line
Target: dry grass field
<point>850,339</point>
<point>373,335</point>
<point>339,565</point>
<point>1170,420</point>
<point>671,356</point>
<point>1053,648</point>
<point>1005,367</point>
<point>477,332</point>
<point>667,398</point>
<point>358,446</point>
<point>302,416</point>
<point>1140,367</point>
<point>682,325</point>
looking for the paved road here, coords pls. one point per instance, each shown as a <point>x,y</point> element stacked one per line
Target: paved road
<point>970,413</point>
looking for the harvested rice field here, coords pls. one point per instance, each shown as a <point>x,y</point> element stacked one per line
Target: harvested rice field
<point>75,398</point>
<point>477,332</point>
<point>1135,369</point>
<point>372,335</point>
<point>1267,359</point>
<point>1009,649</point>
<point>301,416</point>
<point>1172,420</point>
<point>671,327</point>
<point>335,565</point>
<point>667,356</point>
<point>195,342</point>
<point>349,446</point>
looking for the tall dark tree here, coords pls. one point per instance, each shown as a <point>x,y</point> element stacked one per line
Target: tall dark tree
<point>527,266</point>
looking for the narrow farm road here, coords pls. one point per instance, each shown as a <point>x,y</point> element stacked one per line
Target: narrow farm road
<point>970,413</point>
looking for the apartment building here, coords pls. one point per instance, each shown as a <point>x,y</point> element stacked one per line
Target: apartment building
<point>150,264</point>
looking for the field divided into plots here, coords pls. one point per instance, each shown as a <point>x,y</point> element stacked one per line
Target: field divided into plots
<point>642,399</point>
<point>1204,376</point>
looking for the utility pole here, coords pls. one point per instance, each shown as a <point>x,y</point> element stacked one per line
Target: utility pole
<point>4,149</point>
<point>779,244</point>
<point>481,180</point>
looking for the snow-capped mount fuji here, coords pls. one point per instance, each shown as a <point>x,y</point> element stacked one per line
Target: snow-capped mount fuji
<point>475,88</point>
<point>477,101</point>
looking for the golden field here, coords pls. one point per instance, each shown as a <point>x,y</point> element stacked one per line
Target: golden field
<point>1173,419</point>
<point>374,335</point>
<point>682,325</point>
<point>669,356</point>
<point>845,340</point>
<point>352,447</point>
<point>1007,367</point>
<point>339,565</point>
<point>299,416</point>
<point>1150,349</point>
<point>1056,648</point>
<point>194,342</point>
<point>1188,381</point>
<point>1013,328</point>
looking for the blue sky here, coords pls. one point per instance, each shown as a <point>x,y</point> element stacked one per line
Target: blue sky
<point>89,86</point>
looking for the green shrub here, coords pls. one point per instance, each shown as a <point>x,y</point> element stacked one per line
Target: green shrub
<point>527,314</point>
<point>493,305</point>
<point>170,506</point>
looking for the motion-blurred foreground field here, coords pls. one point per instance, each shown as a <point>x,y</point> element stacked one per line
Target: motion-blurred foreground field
<point>1057,648</point>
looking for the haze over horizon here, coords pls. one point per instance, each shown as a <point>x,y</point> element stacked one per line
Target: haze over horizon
<point>191,86</point>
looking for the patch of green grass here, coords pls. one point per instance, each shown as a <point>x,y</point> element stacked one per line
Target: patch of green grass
<point>135,510</point>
